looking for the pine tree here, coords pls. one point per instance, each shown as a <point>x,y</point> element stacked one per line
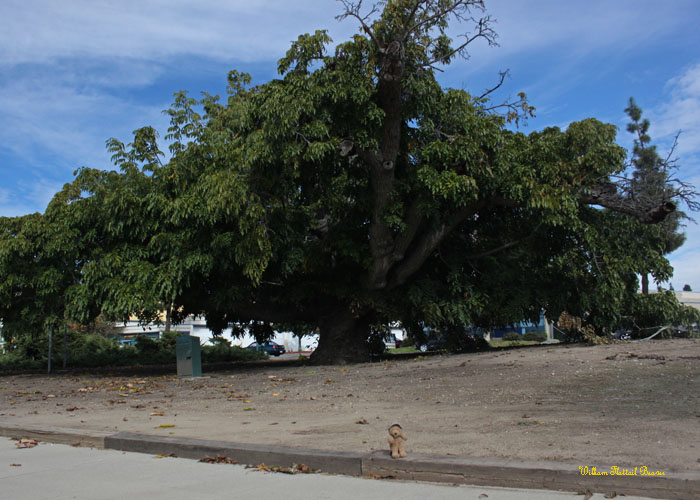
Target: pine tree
<point>649,186</point>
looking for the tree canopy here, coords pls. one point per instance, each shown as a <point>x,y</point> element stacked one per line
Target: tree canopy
<point>353,191</point>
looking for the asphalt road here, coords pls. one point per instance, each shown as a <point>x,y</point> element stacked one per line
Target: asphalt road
<point>61,472</point>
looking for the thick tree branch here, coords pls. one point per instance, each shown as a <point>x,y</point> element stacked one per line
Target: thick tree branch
<point>382,164</point>
<point>606,195</point>
<point>429,241</point>
<point>487,253</point>
<point>414,222</point>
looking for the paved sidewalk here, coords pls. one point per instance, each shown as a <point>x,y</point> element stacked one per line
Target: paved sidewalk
<point>61,472</point>
<point>479,472</point>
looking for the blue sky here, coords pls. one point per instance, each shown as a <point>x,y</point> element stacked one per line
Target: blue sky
<point>77,72</point>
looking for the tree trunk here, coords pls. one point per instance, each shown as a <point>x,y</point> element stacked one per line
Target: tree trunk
<point>168,318</point>
<point>645,284</point>
<point>343,338</point>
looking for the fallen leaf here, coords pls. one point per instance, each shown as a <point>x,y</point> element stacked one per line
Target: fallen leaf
<point>165,426</point>
<point>73,408</point>
<point>274,423</point>
<point>15,465</point>
<point>611,495</point>
<point>26,443</point>
<point>219,459</point>
<point>305,469</point>
<point>166,455</point>
<point>362,422</point>
<point>483,495</point>
<point>295,469</point>
<point>157,413</point>
<point>248,408</point>
<point>259,467</point>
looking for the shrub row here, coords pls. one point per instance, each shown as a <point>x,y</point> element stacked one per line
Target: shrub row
<point>529,336</point>
<point>91,351</point>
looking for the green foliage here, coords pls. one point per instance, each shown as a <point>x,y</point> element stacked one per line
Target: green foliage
<point>650,312</point>
<point>650,185</point>
<point>96,351</point>
<point>512,337</point>
<point>15,362</point>
<point>535,336</point>
<point>351,191</point>
<point>93,351</point>
<point>221,352</point>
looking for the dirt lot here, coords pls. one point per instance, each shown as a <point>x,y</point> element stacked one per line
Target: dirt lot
<point>628,404</point>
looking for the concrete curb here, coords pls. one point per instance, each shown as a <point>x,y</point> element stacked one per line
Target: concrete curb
<point>60,435</point>
<point>681,485</point>
<point>540,475</point>
<point>334,462</point>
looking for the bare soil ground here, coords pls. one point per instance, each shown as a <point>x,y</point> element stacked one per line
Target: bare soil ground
<point>627,404</point>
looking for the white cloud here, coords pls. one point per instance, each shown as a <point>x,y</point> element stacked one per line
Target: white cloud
<point>65,123</point>
<point>41,30</point>
<point>27,197</point>
<point>680,112</point>
<point>686,260</point>
<point>576,28</point>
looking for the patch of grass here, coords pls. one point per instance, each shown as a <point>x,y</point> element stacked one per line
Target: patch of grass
<point>403,350</point>
<point>505,343</point>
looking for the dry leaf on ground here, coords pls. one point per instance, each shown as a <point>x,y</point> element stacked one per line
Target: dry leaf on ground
<point>26,443</point>
<point>219,459</point>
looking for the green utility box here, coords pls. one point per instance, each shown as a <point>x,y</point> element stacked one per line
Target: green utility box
<point>189,357</point>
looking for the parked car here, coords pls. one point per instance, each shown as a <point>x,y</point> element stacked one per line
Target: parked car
<point>457,340</point>
<point>623,334</point>
<point>391,341</point>
<point>271,348</point>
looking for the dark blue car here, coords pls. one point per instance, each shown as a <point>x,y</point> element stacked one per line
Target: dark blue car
<point>271,348</point>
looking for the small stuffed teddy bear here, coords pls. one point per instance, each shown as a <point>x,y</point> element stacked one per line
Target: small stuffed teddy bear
<point>396,439</point>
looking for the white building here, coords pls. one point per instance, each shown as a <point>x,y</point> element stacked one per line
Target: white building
<point>691,299</point>
<point>197,327</point>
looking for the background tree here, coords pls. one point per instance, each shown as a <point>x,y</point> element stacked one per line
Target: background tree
<point>650,185</point>
<point>39,262</point>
